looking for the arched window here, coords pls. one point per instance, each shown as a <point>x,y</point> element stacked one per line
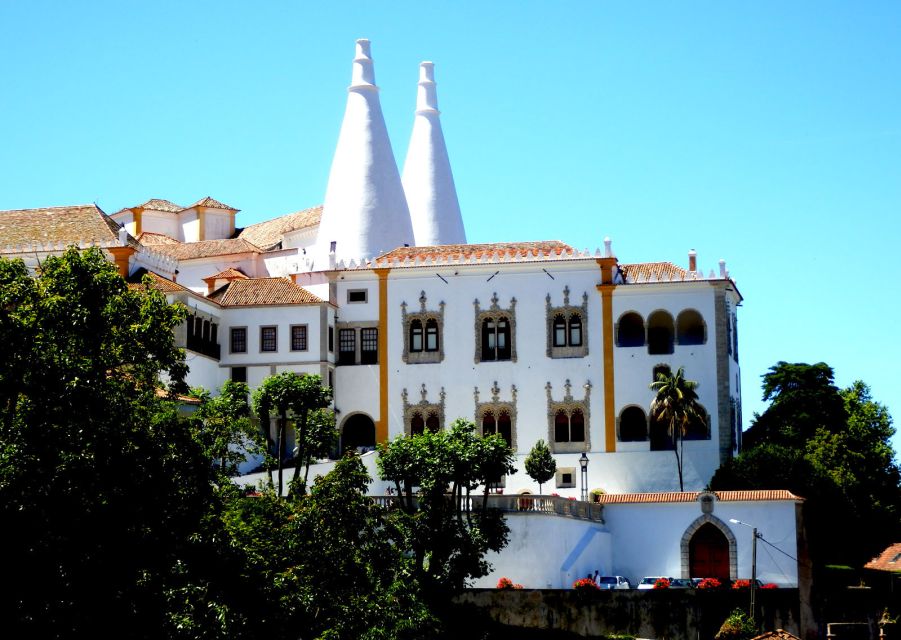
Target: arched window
<point>575,330</point>
<point>505,427</point>
<point>630,332</point>
<point>416,335</point>
<point>559,331</point>
<point>698,428</point>
<point>561,426</point>
<point>489,424</point>
<point>690,327</point>
<point>503,339</point>
<point>358,433</point>
<point>417,424</point>
<point>633,425</point>
<point>431,423</point>
<point>660,333</point>
<point>431,335</point>
<point>577,426</point>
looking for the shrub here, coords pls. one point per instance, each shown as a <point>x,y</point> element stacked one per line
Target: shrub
<point>737,626</point>
<point>662,583</point>
<point>507,583</point>
<point>710,583</point>
<point>586,584</point>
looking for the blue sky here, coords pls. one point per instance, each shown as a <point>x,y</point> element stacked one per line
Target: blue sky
<point>765,133</point>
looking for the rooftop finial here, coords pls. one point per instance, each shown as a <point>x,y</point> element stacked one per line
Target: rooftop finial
<point>363,72</point>
<point>427,96</point>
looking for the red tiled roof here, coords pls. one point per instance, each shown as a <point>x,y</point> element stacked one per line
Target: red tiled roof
<point>267,235</point>
<point>692,496</point>
<point>550,248</point>
<point>206,248</point>
<point>151,239</point>
<point>158,204</point>
<point>66,225</point>
<point>660,271</point>
<point>888,560</point>
<point>211,203</point>
<point>262,291</point>
<point>227,274</point>
<point>161,284</point>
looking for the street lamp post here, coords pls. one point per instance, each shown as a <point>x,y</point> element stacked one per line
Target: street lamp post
<point>583,461</point>
<point>753,563</point>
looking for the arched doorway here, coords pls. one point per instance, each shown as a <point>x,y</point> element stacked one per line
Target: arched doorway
<point>358,431</point>
<point>708,553</point>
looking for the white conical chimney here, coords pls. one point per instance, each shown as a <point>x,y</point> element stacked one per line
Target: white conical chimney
<point>365,211</point>
<point>428,180</point>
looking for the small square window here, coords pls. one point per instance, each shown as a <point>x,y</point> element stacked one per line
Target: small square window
<point>566,477</point>
<point>238,340</point>
<point>239,374</point>
<point>357,295</point>
<point>268,339</point>
<point>299,337</point>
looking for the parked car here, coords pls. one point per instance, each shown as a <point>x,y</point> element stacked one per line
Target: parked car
<point>680,583</point>
<point>648,583</point>
<point>613,582</point>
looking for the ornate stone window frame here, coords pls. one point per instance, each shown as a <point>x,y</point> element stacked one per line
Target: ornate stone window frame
<point>567,311</point>
<point>423,407</point>
<point>568,405</point>
<point>498,406</point>
<point>423,315</point>
<point>494,312</point>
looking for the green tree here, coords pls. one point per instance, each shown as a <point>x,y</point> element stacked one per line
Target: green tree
<point>300,398</point>
<point>101,485</point>
<point>540,464</point>
<point>831,447</point>
<point>443,531</point>
<point>676,405</point>
<point>224,428</point>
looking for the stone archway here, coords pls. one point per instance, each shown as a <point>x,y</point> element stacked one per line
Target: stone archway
<point>709,545</point>
<point>358,430</point>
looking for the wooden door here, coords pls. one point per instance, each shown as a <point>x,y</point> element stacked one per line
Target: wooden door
<point>708,553</point>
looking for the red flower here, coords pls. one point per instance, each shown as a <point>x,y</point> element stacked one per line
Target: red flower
<point>710,583</point>
<point>770,585</point>
<point>585,584</point>
<point>741,584</point>
<point>662,583</point>
<point>505,583</point>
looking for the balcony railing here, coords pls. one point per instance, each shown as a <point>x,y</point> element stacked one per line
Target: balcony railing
<point>522,504</point>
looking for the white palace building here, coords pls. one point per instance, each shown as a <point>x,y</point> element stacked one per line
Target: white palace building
<point>377,291</point>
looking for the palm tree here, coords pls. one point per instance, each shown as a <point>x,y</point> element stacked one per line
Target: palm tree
<point>676,405</point>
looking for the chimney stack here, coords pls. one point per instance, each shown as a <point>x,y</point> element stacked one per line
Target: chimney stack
<point>692,260</point>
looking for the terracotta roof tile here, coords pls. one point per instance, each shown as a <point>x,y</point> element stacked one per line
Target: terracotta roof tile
<point>550,248</point>
<point>211,203</point>
<point>262,291</point>
<point>66,225</point>
<point>647,271</point>
<point>161,284</point>
<point>206,248</point>
<point>150,239</point>
<point>888,560</point>
<point>158,204</point>
<point>692,496</point>
<point>268,235</point>
<point>227,274</point>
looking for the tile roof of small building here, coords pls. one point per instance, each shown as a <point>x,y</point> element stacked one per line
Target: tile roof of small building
<point>158,282</point>
<point>262,291</point>
<point>549,248</point>
<point>158,204</point>
<point>206,248</point>
<point>211,203</point>
<point>66,225</point>
<point>227,274</point>
<point>888,560</point>
<point>778,634</point>
<point>692,496</point>
<point>268,235</point>
<point>653,271</point>
<point>151,239</point>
